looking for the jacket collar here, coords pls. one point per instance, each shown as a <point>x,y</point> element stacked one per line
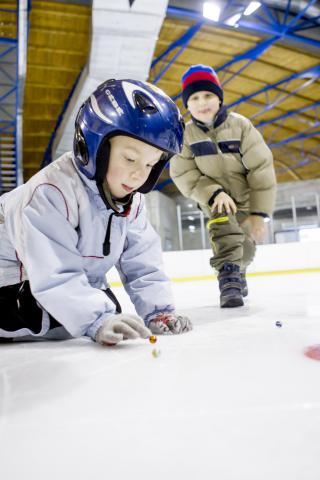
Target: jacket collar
<point>218,120</point>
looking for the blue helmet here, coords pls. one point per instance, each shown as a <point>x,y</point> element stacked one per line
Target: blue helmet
<point>126,107</point>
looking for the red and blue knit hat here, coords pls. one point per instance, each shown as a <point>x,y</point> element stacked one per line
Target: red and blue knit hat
<point>200,77</point>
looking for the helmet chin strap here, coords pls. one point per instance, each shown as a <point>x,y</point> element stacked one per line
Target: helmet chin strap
<point>112,202</point>
<point>102,163</point>
<point>107,197</point>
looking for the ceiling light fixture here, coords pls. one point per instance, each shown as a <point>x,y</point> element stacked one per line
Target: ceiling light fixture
<point>232,21</point>
<point>211,11</point>
<point>252,7</point>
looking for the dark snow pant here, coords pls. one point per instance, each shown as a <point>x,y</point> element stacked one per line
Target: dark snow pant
<point>230,241</point>
<point>19,309</point>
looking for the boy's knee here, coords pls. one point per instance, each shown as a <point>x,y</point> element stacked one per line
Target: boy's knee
<point>223,225</point>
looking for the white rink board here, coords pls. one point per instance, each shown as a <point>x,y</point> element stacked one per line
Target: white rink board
<point>269,258</point>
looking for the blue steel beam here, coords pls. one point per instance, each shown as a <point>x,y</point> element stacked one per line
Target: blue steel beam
<point>269,13</point>
<point>8,40</point>
<point>273,29</point>
<point>225,9</point>
<point>10,131</point>
<point>7,94</point>
<point>6,74</point>
<point>279,30</point>
<point>260,19</point>
<point>253,54</point>
<point>309,23</point>
<point>6,52</point>
<point>300,152</point>
<point>294,138</point>
<point>309,27</point>
<point>287,26</point>
<point>180,43</point>
<point>286,169</point>
<point>308,158</point>
<point>312,71</point>
<point>286,13</point>
<point>288,114</point>
<point>6,112</point>
<point>250,55</point>
<point>308,41</point>
<point>303,134</point>
<point>287,35</point>
<point>8,125</point>
<point>281,97</point>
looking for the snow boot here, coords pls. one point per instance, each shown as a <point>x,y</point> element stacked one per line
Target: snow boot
<point>244,285</point>
<point>230,286</point>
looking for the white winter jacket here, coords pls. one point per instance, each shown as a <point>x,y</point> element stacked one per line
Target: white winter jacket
<point>51,233</point>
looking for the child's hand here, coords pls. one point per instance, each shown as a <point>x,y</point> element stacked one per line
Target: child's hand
<point>223,201</point>
<point>120,327</point>
<point>169,323</point>
<point>256,226</point>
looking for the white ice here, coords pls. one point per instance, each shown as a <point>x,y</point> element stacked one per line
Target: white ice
<point>235,399</point>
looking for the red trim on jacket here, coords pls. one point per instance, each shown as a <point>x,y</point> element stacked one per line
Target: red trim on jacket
<point>54,186</point>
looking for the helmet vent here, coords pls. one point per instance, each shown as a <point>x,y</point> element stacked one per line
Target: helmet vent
<point>80,147</point>
<point>144,103</point>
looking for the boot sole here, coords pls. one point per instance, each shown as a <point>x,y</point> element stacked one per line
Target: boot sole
<point>232,302</point>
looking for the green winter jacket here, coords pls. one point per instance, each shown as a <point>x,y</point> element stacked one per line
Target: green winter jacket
<point>230,156</point>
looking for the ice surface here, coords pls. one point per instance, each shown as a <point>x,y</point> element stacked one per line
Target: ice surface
<point>235,399</point>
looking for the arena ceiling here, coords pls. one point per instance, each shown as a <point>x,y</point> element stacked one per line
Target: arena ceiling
<point>269,68</point>
<point>268,64</point>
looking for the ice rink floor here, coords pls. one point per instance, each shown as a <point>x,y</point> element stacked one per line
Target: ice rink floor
<point>235,399</point>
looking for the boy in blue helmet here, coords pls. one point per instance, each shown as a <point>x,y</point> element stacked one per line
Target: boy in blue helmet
<point>83,214</point>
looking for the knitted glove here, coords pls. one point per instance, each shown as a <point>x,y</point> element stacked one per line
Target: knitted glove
<point>165,323</point>
<point>120,327</point>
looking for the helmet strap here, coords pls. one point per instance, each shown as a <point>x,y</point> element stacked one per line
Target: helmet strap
<point>102,161</point>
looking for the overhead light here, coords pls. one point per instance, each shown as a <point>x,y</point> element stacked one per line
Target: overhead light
<point>232,21</point>
<point>190,217</point>
<point>192,228</point>
<point>190,205</point>
<point>211,11</point>
<point>252,7</point>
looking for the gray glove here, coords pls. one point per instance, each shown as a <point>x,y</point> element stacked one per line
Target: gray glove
<point>120,327</point>
<point>165,323</point>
